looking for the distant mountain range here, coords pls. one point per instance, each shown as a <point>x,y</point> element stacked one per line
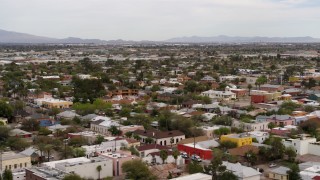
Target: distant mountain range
<point>238,39</point>
<point>15,37</point>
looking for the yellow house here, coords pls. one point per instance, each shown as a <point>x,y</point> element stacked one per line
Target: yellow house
<point>56,103</point>
<point>14,161</point>
<point>239,139</point>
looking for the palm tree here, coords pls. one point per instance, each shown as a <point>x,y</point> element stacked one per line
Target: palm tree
<point>249,87</point>
<point>171,141</point>
<point>99,168</point>
<point>48,149</point>
<point>41,148</point>
<point>175,154</point>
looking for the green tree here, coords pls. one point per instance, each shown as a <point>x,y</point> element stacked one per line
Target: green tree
<point>251,157</point>
<point>163,155</point>
<point>228,144</point>
<point>190,86</point>
<point>136,169</point>
<point>227,175</point>
<point>99,139</point>
<point>30,125</point>
<point>271,125</point>
<point>114,131</point>
<point>149,140</point>
<point>249,88</point>
<point>291,154</point>
<point>6,110</point>
<point>48,149</point>
<point>125,112</point>
<point>7,175</point>
<point>293,173</point>
<point>79,152</point>
<point>175,155</point>
<point>72,177</point>
<point>44,131</point>
<point>194,167</point>
<point>222,131</point>
<point>261,80</point>
<point>99,168</point>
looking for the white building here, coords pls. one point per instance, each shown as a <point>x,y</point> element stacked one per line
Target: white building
<point>84,167</point>
<point>303,145</point>
<point>253,126</point>
<point>161,137</point>
<point>105,147</point>
<point>101,124</point>
<point>220,95</point>
<point>242,172</point>
<point>260,136</point>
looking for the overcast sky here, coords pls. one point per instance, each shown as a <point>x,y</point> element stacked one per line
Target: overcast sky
<point>161,19</point>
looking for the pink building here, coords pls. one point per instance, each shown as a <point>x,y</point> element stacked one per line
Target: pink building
<point>281,120</point>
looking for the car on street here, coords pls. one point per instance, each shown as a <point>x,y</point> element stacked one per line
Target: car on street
<point>184,155</point>
<point>196,158</point>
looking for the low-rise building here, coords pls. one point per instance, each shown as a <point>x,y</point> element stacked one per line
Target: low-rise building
<point>161,137</point>
<point>84,167</point>
<point>102,124</point>
<point>14,161</point>
<point>118,158</point>
<point>220,95</point>
<point>242,172</point>
<point>259,136</point>
<point>253,126</point>
<point>281,120</point>
<point>304,144</point>
<point>200,148</point>
<point>44,173</point>
<point>53,103</point>
<point>239,139</point>
<point>279,173</point>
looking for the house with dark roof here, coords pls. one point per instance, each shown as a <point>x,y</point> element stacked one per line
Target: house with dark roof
<point>161,137</point>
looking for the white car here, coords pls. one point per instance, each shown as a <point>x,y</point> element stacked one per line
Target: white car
<point>196,158</point>
<point>272,165</point>
<point>184,155</point>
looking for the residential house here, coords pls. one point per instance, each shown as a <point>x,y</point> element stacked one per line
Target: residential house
<point>239,139</point>
<point>101,124</point>
<point>304,144</point>
<point>14,161</point>
<point>253,126</point>
<point>123,91</point>
<point>161,137</point>
<point>279,173</point>
<point>271,88</point>
<point>67,115</point>
<point>281,120</point>
<point>259,136</point>
<point>242,172</point>
<point>220,95</point>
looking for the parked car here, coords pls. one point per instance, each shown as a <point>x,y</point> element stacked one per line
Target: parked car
<point>184,155</point>
<point>196,158</point>
<point>271,165</point>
